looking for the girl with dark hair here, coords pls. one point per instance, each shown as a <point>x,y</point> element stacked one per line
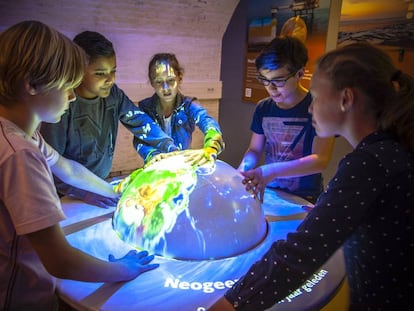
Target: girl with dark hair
<point>177,114</point>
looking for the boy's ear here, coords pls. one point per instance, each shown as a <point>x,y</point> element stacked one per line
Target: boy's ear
<point>30,89</point>
<point>301,72</point>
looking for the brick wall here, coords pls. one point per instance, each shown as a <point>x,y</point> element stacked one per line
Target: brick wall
<point>192,29</point>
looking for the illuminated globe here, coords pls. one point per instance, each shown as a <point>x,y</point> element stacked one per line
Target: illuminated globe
<point>174,210</point>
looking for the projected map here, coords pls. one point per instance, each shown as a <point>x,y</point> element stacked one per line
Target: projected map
<point>175,210</point>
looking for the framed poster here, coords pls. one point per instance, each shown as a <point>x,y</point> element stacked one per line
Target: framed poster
<point>307,20</point>
<point>386,23</point>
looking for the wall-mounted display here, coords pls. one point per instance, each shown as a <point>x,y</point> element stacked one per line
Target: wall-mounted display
<point>386,23</point>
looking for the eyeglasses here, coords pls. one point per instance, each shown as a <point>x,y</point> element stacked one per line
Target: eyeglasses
<point>280,82</point>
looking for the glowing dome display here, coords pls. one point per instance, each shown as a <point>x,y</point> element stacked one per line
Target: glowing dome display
<point>174,210</point>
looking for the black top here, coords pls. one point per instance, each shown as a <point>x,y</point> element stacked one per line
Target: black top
<point>368,209</point>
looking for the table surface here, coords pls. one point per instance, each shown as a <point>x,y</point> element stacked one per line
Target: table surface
<point>186,285</point>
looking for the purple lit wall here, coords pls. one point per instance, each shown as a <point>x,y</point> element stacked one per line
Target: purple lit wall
<point>192,29</point>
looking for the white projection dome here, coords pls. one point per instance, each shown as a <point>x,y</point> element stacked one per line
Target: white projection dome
<point>174,210</point>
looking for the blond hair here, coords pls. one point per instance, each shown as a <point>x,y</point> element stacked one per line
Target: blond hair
<point>34,53</point>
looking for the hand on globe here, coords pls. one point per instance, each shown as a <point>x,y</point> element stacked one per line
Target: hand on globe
<point>199,157</point>
<point>254,182</point>
<point>193,157</point>
<point>162,156</point>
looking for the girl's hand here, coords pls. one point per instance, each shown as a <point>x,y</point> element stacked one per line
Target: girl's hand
<point>199,157</point>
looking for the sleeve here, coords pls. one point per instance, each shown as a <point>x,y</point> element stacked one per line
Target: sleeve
<point>338,213</point>
<point>213,136</point>
<point>51,155</point>
<point>149,138</point>
<point>29,193</point>
<point>214,139</point>
<point>257,120</point>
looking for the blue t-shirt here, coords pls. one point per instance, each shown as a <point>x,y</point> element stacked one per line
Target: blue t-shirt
<point>289,136</point>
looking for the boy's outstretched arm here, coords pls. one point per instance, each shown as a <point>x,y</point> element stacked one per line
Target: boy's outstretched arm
<point>66,262</point>
<point>78,176</point>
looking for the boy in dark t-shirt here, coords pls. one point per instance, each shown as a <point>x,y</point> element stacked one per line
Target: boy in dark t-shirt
<point>282,127</point>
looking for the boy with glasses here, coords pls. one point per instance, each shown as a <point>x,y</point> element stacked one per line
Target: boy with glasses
<point>282,127</point>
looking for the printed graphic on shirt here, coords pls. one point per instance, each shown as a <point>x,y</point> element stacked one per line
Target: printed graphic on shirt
<point>284,142</point>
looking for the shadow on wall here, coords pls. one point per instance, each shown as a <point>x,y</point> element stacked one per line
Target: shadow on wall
<point>234,114</point>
